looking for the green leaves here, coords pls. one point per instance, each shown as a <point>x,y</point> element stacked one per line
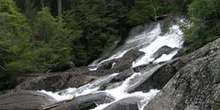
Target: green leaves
<point>51,46</point>
<point>206,22</point>
<point>14,41</point>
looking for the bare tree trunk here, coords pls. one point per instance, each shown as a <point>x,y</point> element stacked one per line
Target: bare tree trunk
<point>59,2</point>
<point>42,3</point>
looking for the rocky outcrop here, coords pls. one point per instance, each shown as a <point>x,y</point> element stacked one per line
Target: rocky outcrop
<point>126,61</point>
<point>55,81</point>
<point>25,100</point>
<point>163,50</point>
<point>195,86</point>
<point>129,103</point>
<point>85,102</point>
<point>123,75</point>
<point>190,82</point>
<point>160,78</point>
<point>122,63</point>
<point>117,80</point>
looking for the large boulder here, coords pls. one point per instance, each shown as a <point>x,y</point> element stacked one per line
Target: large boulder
<point>107,65</point>
<point>55,81</point>
<point>25,100</point>
<point>123,63</point>
<point>130,103</point>
<point>84,102</point>
<point>195,86</point>
<point>117,80</point>
<point>123,75</point>
<point>163,50</point>
<point>159,79</point>
<point>126,61</point>
<point>75,77</point>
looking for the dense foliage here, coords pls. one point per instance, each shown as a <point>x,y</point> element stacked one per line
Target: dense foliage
<point>14,41</point>
<point>205,18</point>
<point>88,27</point>
<point>34,37</point>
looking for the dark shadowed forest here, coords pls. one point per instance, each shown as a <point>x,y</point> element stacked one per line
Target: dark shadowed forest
<point>37,36</point>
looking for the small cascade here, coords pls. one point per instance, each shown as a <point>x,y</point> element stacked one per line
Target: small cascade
<point>148,40</point>
<point>83,90</point>
<point>139,36</point>
<point>172,39</point>
<point>157,46</point>
<point>121,92</point>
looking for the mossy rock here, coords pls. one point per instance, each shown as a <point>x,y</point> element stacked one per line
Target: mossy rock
<point>216,106</point>
<point>217,77</point>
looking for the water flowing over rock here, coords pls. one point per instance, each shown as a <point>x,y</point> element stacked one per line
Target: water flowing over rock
<point>122,63</point>
<point>126,61</point>
<point>62,80</point>
<point>56,81</point>
<point>159,78</point>
<point>130,103</point>
<point>126,80</point>
<point>195,86</point>
<point>85,102</point>
<point>163,50</point>
<point>25,100</point>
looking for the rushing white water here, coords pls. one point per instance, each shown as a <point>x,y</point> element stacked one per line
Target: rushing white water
<point>149,41</point>
<point>173,39</point>
<point>83,90</point>
<point>142,39</point>
<point>144,98</point>
<point>130,83</point>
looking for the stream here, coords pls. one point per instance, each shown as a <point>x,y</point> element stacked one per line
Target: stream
<point>158,47</point>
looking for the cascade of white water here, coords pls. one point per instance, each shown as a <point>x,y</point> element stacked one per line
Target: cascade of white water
<point>130,83</point>
<point>142,39</point>
<point>173,39</point>
<point>83,90</point>
<point>148,41</point>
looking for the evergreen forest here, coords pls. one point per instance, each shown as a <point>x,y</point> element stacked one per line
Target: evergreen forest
<point>40,36</point>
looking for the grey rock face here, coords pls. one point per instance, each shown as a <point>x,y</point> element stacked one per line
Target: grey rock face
<point>159,79</point>
<point>82,102</point>
<point>55,82</point>
<point>25,100</point>
<point>124,104</point>
<point>194,86</point>
<point>122,63</point>
<point>163,50</point>
<point>187,83</point>
<point>126,61</point>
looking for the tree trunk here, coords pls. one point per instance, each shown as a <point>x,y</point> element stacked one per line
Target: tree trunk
<point>59,2</point>
<point>42,3</point>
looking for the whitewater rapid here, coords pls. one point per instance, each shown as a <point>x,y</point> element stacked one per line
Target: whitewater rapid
<point>148,41</point>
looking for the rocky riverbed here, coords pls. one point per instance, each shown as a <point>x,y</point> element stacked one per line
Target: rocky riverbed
<point>188,82</point>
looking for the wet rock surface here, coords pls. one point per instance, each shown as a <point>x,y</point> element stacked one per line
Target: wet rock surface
<point>189,82</point>
<point>25,100</point>
<point>159,78</point>
<point>126,61</point>
<point>163,50</point>
<point>195,85</point>
<point>82,102</point>
<point>58,81</point>
<point>55,81</point>
<point>122,63</point>
<point>124,104</point>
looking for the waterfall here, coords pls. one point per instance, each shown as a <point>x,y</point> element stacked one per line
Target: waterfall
<point>150,39</point>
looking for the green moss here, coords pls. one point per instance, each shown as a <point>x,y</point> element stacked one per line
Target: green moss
<point>216,106</point>
<point>217,77</point>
